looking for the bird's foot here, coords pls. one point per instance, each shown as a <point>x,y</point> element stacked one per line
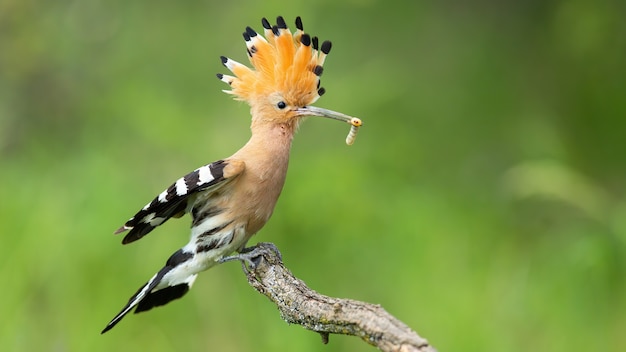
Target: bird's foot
<point>252,255</point>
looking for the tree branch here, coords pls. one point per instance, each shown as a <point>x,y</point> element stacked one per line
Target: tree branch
<point>299,304</point>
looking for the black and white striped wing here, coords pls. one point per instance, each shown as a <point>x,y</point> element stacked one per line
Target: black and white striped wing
<point>173,200</point>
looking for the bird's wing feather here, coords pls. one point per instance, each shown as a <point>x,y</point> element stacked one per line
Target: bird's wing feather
<point>173,200</point>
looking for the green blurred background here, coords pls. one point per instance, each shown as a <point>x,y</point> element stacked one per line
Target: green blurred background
<point>484,202</point>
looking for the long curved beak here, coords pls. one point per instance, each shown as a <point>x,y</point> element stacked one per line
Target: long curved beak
<point>355,122</point>
<point>315,111</point>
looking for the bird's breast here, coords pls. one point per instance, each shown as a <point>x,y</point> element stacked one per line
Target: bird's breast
<point>259,194</point>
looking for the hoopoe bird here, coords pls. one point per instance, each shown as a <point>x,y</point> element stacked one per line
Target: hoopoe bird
<point>231,199</point>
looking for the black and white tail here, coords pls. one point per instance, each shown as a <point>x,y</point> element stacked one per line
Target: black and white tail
<point>171,282</point>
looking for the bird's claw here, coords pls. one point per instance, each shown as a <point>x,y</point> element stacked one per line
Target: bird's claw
<point>253,255</point>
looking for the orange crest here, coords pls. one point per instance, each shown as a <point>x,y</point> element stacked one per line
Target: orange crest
<point>290,64</point>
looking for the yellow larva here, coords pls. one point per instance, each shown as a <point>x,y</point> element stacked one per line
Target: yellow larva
<point>356,123</point>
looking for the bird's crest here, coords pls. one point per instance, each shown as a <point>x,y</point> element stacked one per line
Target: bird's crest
<point>282,62</point>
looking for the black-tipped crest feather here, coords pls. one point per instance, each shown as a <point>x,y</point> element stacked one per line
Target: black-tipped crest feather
<point>318,70</point>
<point>326,46</point>
<point>299,23</point>
<point>266,23</point>
<point>251,32</point>
<point>280,22</point>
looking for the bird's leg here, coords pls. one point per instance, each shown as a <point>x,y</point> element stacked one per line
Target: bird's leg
<point>252,255</point>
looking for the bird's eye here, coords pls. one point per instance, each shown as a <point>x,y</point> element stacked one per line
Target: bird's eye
<point>281,105</point>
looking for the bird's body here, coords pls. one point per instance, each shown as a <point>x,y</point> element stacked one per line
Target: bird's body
<point>231,199</point>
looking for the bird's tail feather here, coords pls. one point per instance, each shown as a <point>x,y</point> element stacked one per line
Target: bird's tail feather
<point>145,298</point>
<point>161,297</point>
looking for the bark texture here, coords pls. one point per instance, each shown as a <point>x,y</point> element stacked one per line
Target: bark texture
<point>298,304</point>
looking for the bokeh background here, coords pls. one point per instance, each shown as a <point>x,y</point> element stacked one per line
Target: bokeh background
<point>483,202</point>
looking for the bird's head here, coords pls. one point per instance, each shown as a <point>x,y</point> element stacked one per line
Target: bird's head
<point>285,78</point>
